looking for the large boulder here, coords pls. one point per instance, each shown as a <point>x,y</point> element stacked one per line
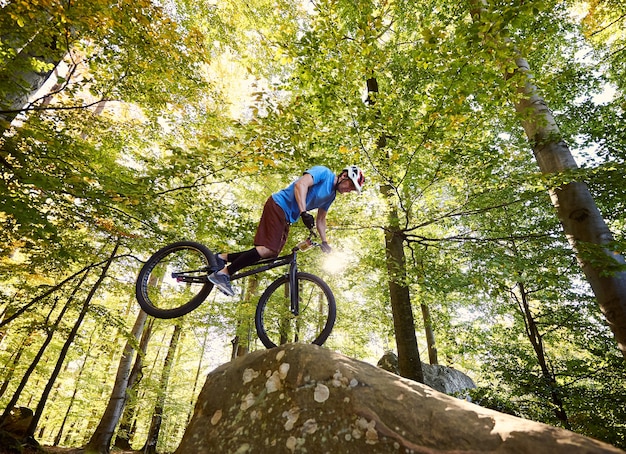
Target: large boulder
<point>442,378</point>
<point>303,398</point>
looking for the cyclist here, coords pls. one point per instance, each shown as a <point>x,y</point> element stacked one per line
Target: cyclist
<point>315,189</point>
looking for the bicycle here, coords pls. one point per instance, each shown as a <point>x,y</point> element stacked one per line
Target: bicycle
<point>296,307</point>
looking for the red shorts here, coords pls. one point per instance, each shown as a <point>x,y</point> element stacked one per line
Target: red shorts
<point>273,228</point>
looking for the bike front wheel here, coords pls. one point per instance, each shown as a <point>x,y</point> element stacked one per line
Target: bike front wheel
<point>173,282</point>
<point>277,324</point>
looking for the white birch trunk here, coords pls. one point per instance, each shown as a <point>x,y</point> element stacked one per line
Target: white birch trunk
<point>576,209</point>
<point>100,441</point>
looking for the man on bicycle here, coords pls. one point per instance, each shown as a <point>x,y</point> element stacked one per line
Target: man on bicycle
<point>315,189</point>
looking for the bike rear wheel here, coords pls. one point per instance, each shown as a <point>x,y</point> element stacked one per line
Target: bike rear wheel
<point>173,282</point>
<point>277,325</point>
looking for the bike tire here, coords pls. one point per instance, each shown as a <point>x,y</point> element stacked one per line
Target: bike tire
<point>276,325</point>
<point>162,296</point>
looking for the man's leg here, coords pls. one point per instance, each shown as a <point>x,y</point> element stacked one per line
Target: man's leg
<point>232,257</point>
<point>269,240</point>
<point>243,259</point>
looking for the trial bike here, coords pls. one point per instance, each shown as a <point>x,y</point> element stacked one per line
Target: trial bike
<point>296,307</point>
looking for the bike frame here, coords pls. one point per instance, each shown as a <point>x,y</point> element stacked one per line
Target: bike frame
<point>268,264</point>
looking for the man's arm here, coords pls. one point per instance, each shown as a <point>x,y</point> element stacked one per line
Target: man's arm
<point>320,223</point>
<point>301,189</point>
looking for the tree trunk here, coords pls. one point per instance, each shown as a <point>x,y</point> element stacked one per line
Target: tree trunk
<point>9,369</point>
<point>245,316</point>
<point>536,340</point>
<point>125,431</point>
<point>33,365</point>
<point>70,340</point>
<point>42,349</point>
<point>24,84</point>
<point>100,441</point>
<point>157,415</point>
<point>59,435</point>
<point>409,363</point>
<point>197,378</point>
<point>430,335</point>
<point>582,222</point>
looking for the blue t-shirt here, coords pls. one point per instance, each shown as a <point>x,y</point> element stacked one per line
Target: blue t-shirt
<point>320,195</point>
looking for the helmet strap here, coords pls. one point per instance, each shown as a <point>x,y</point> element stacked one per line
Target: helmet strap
<point>340,180</point>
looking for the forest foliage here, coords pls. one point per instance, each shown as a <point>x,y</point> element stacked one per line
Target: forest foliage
<point>163,121</point>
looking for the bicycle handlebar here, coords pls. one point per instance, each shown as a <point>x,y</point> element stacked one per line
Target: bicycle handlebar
<point>308,243</point>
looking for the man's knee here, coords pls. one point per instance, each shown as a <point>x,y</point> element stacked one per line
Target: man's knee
<point>266,253</point>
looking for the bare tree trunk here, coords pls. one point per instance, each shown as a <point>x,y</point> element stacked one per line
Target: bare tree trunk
<point>584,227</point>
<point>100,441</point>
<point>157,415</point>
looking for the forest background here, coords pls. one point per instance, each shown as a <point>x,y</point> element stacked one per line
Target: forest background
<point>130,124</point>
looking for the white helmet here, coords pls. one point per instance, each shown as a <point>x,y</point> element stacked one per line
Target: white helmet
<point>357,177</point>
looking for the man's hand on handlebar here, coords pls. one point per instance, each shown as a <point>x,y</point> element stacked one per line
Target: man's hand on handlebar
<point>308,220</point>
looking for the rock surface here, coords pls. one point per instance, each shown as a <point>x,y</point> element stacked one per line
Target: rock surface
<point>303,398</point>
<point>18,421</point>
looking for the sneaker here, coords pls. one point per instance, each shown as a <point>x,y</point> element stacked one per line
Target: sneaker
<point>221,263</point>
<point>222,282</point>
